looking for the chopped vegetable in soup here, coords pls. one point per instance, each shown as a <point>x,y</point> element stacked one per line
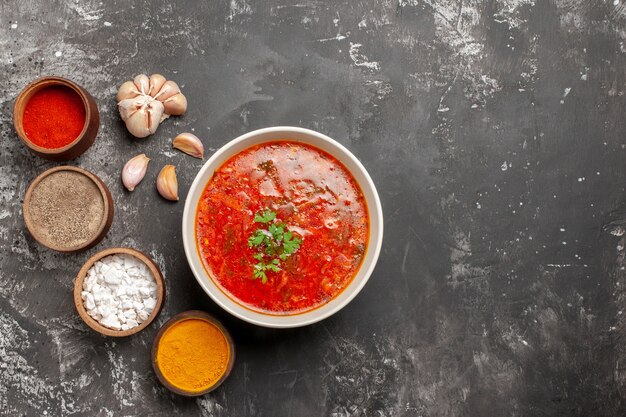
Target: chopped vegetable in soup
<point>282,227</point>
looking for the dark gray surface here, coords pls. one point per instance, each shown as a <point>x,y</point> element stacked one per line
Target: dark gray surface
<point>494,130</point>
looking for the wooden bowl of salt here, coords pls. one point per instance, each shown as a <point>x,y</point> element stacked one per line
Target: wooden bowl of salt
<point>68,209</point>
<point>92,315</point>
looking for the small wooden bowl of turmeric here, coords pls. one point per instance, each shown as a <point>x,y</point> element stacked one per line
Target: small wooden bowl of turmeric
<point>192,353</point>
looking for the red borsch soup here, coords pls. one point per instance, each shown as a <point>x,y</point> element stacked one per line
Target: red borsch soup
<point>282,227</point>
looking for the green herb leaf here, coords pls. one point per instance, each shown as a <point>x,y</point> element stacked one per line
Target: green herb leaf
<point>260,273</point>
<point>290,243</point>
<point>265,217</point>
<point>256,238</point>
<point>273,245</point>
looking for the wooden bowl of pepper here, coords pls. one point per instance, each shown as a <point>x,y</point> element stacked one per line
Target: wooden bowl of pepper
<point>68,209</point>
<point>56,118</point>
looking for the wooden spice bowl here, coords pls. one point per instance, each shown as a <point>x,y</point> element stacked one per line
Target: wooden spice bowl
<point>78,288</point>
<point>105,221</point>
<point>192,314</point>
<point>84,140</point>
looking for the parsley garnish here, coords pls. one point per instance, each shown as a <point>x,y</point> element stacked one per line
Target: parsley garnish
<point>274,243</point>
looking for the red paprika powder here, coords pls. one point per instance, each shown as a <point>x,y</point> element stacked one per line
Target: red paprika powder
<point>54,116</point>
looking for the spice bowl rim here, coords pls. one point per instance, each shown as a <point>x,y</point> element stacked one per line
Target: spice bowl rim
<point>105,222</point>
<point>187,315</point>
<point>350,162</point>
<point>80,278</point>
<point>22,100</point>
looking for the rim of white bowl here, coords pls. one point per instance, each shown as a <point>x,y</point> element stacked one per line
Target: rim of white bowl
<point>247,314</point>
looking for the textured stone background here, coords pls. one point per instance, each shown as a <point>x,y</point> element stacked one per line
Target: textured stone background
<point>495,131</point>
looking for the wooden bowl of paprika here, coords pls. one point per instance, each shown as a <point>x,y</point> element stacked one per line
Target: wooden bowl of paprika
<point>56,118</point>
<point>192,354</point>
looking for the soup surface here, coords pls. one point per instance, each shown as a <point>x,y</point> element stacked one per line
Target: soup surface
<point>282,227</point>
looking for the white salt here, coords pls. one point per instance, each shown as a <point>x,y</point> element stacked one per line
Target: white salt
<point>119,292</point>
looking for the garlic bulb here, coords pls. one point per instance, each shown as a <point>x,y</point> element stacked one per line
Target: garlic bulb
<point>146,101</point>
<point>190,144</point>
<point>167,184</point>
<point>134,171</point>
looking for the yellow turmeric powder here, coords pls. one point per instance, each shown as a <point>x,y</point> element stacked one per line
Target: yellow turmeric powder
<point>193,354</point>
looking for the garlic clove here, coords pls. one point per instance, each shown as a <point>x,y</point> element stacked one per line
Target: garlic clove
<point>134,171</point>
<point>127,90</point>
<point>142,119</point>
<point>168,90</point>
<point>137,124</point>
<point>190,144</point>
<point>156,82</point>
<point>167,184</point>
<point>175,105</point>
<point>156,111</point>
<point>127,107</point>
<point>143,83</point>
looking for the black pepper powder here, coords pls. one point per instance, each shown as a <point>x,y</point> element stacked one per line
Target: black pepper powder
<point>66,209</point>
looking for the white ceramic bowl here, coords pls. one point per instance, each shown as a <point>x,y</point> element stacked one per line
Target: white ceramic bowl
<point>267,135</point>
